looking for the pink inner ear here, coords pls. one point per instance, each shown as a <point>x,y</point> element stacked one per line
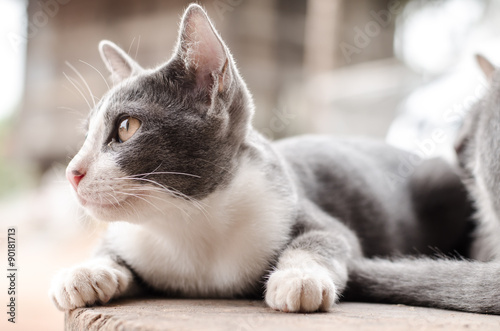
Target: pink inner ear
<point>204,50</point>
<point>118,65</point>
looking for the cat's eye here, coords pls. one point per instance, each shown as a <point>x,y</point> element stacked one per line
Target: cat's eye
<point>127,127</point>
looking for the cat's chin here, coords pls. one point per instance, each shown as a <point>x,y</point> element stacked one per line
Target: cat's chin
<point>98,205</point>
<point>108,215</point>
<point>107,212</point>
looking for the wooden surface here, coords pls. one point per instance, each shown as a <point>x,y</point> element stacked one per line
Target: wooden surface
<point>175,314</point>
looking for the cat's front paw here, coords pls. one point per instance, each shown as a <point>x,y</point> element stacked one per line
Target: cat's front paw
<point>297,290</point>
<point>86,285</point>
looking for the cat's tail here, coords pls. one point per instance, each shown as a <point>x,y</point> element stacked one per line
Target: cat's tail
<point>448,284</point>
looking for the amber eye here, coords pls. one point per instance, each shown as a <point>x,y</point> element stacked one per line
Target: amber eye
<point>128,126</point>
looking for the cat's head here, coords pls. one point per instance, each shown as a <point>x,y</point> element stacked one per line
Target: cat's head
<point>478,141</point>
<point>163,136</point>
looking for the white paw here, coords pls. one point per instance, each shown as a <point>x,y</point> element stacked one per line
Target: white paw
<point>297,290</point>
<point>86,285</point>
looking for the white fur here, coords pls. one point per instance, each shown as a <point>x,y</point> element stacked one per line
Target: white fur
<point>95,281</point>
<point>218,251</point>
<point>300,284</point>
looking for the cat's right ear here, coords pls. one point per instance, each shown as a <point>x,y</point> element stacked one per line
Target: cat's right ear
<point>117,61</point>
<point>486,66</point>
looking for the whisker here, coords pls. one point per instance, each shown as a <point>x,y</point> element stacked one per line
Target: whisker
<point>130,47</point>
<point>71,110</point>
<point>83,80</point>
<point>137,49</point>
<point>133,208</point>
<point>154,189</point>
<point>114,196</point>
<point>171,191</point>
<point>104,79</point>
<point>76,87</point>
<point>218,166</point>
<point>110,202</point>
<point>198,204</point>
<point>139,197</point>
<point>149,181</point>
<point>158,167</point>
<point>119,203</point>
<point>161,173</point>
<point>201,207</point>
<point>67,88</point>
<point>159,190</point>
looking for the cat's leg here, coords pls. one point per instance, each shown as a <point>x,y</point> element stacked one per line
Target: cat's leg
<point>311,272</point>
<point>96,281</point>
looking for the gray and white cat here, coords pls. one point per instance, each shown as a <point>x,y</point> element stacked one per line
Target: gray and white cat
<point>209,208</point>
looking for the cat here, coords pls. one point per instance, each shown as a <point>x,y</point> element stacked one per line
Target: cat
<point>477,148</point>
<point>201,205</point>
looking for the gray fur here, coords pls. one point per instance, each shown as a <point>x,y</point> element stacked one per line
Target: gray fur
<point>477,149</point>
<point>348,180</point>
<point>450,284</point>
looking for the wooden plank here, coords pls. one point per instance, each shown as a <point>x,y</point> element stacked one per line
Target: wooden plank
<point>180,314</point>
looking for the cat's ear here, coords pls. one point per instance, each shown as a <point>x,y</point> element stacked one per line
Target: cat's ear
<point>202,50</point>
<point>117,61</point>
<point>486,66</point>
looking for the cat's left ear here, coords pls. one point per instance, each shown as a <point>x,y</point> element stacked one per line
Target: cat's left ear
<point>486,66</point>
<point>117,61</point>
<point>202,50</point>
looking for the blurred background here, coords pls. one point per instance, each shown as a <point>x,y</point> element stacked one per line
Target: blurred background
<point>402,71</point>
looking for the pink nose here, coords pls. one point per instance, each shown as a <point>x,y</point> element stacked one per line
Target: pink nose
<point>74,177</point>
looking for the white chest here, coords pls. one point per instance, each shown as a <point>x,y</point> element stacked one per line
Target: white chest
<point>222,251</point>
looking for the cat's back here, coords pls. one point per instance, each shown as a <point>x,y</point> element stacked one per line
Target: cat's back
<point>370,162</point>
<point>340,173</point>
<point>387,195</point>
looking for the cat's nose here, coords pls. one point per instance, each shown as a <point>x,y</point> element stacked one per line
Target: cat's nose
<point>74,177</point>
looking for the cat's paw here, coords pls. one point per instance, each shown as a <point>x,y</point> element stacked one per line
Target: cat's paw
<point>86,285</point>
<point>296,290</point>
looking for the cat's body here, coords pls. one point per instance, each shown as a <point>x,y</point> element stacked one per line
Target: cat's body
<point>225,248</point>
<point>212,209</point>
<point>360,182</point>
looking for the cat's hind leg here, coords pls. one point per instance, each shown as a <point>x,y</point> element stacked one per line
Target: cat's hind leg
<point>443,208</point>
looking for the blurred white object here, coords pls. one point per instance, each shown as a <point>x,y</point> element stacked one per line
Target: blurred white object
<point>441,39</point>
<point>430,35</point>
<point>12,57</point>
<point>430,117</point>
